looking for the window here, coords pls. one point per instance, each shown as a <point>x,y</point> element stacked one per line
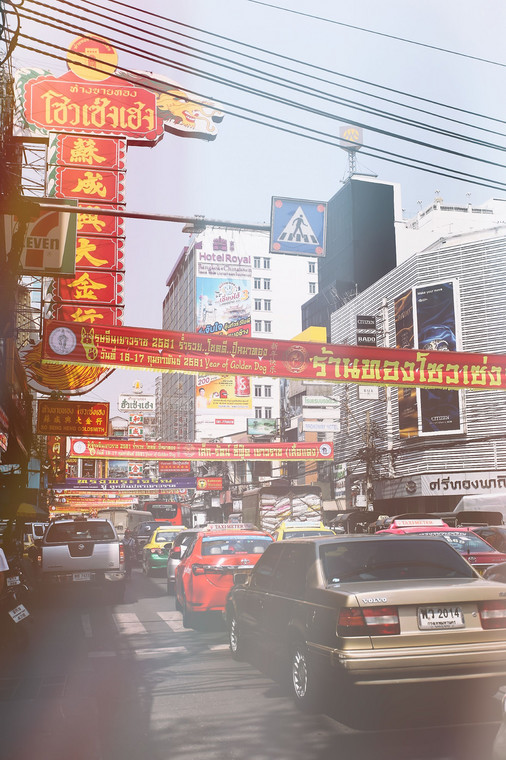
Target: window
<point>267,391</point>
<point>257,283</point>
<point>258,304</point>
<point>290,577</point>
<point>258,325</point>
<point>256,262</point>
<point>264,568</point>
<point>268,413</point>
<point>312,287</point>
<point>267,305</point>
<point>267,326</point>
<point>267,263</point>
<point>267,284</point>
<point>258,412</point>
<point>312,267</point>
<point>258,390</point>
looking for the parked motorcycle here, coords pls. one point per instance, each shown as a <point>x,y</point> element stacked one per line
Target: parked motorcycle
<point>13,603</point>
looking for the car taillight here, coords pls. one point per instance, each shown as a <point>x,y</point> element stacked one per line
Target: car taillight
<point>198,569</point>
<point>493,614</point>
<point>368,621</point>
<point>121,553</point>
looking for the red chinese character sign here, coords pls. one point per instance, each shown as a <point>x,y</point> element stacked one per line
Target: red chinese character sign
<point>89,116</point>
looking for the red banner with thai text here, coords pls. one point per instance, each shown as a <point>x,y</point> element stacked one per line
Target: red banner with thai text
<point>170,351</point>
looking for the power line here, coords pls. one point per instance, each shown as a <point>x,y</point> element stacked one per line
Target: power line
<point>289,84</point>
<point>278,56</point>
<point>481,181</point>
<point>379,34</point>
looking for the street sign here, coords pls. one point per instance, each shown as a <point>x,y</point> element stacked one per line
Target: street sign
<point>298,227</point>
<point>320,401</point>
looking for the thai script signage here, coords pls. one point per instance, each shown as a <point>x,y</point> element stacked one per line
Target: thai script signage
<point>72,418</point>
<point>141,403</point>
<point>192,353</point>
<point>462,483</point>
<point>143,484</point>
<point>85,448</point>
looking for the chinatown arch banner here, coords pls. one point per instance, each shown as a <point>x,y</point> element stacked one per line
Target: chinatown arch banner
<point>93,448</point>
<point>170,351</point>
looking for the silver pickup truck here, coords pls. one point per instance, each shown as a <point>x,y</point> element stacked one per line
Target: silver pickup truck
<point>84,551</point>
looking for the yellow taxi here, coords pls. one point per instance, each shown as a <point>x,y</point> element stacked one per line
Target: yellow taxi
<point>298,529</point>
<point>156,552</point>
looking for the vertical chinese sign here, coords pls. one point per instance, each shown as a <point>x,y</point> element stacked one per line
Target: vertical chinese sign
<point>89,116</point>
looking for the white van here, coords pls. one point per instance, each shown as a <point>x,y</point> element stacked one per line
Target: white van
<point>124,517</point>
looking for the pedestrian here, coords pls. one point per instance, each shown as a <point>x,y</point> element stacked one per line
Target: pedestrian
<point>129,546</point>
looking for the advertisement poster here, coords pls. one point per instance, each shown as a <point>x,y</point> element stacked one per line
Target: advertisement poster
<point>223,306</point>
<point>440,409</point>
<point>218,393</point>
<point>405,338</point>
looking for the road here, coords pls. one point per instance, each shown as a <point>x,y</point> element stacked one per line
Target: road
<point>129,682</point>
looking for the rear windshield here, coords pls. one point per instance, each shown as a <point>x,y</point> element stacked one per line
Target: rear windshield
<point>235,545</point>
<point>166,536</point>
<point>391,560</point>
<point>464,542</point>
<point>79,531</point>
<point>307,533</point>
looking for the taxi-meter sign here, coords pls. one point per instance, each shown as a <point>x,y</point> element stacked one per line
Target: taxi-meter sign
<point>298,227</point>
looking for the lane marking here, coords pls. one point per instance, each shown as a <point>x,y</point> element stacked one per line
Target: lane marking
<point>161,650</point>
<point>173,620</point>
<point>86,624</point>
<point>128,623</point>
<point>218,647</point>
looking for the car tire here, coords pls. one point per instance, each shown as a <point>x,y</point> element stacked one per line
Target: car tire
<point>177,604</point>
<point>236,640</point>
<point>188,615</point>
<point>305,680</point>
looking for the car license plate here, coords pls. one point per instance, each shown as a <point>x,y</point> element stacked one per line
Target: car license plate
<point>81,577</point>
<point>13,580</point>
<point>431,618</point>
<point>19,613</point>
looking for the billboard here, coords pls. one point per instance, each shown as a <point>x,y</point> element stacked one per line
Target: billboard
<point>223,306</point>
<point>426,318</point>
<point>216,394</point>
<point>261,426</point>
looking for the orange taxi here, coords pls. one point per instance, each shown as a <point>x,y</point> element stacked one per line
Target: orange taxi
<point>205,574</point>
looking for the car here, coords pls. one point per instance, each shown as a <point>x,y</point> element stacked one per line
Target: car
<point>366,609</point>
<point>82,551</point>
<point>496,573</point>
<point>495,535</point>
<point>296,529</point>
<point>155,553</point>
<point>141,534</point>
<point>473,548</point>
<point>176,553</point>
<point>204,575</point>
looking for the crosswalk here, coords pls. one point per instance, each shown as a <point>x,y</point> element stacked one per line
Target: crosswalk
<point>150,637</point>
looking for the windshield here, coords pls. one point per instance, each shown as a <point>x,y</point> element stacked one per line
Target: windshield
<point>234,545</point>
<point>165,537</point>
<point>79,531</point>
<point>464,542</point>
<point>390,560</point>
<point>307,533</point>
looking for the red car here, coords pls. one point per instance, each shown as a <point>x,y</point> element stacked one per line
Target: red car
<point>205,574</point>
<point>473,548</point>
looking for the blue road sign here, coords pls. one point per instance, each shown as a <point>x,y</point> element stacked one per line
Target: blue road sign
<point>298,227</point>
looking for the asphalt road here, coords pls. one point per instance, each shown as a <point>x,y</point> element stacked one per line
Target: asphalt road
<point>128,682</point>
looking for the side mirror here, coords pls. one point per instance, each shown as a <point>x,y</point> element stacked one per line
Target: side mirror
<point>175,552</point>
<point>168,545</point>
<point>240,579</point>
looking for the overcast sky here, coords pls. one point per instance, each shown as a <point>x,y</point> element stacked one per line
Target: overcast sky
<point>234,177</point>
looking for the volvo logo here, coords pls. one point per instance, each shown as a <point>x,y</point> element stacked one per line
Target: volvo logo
<point>375,600</point>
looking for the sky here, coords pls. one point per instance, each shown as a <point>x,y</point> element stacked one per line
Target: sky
<point>352,45</point>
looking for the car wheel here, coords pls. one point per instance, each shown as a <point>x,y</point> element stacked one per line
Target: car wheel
<point>178,604</point>
<point>307,687</point>
<point>188,615</point>
<point>236,639</point>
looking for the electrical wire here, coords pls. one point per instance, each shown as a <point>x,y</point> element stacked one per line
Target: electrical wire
<point>485,182</point>
<point>289,84</point>
<point>379,34</point>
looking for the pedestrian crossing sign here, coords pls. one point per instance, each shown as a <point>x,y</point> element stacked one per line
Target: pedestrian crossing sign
<point>298,227</point>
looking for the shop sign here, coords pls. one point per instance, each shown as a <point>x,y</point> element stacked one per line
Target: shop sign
<point>465,483</point>
<point>72,418</point>
<point>325,401</point>
<point>95,253</point>
<point>87,150</point>
<point>90,287</point>
<point>167,466</point>
<point>104,315</point>
<point>95,224</point>
<point>84,448</point>
<point>144,403</point>
<point>88,184</point>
